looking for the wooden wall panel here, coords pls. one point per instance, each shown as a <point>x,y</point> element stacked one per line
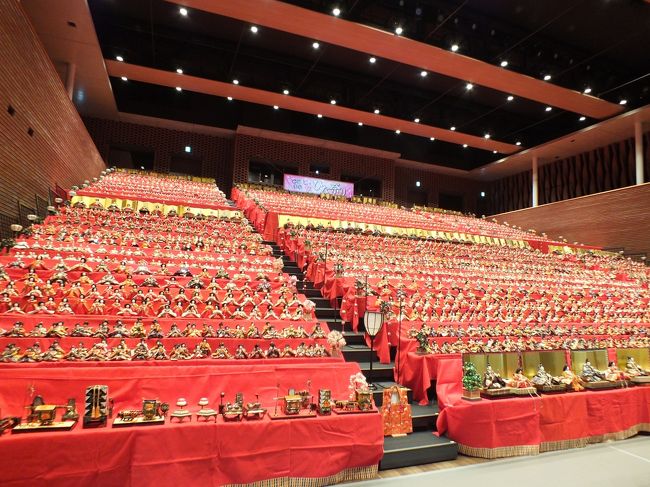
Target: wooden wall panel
<point>43,141</point>
<point>617,218</point>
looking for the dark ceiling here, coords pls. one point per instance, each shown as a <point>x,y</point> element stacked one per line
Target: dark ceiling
<point>581,43</point>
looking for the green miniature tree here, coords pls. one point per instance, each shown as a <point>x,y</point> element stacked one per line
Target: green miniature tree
<point>471,379</point>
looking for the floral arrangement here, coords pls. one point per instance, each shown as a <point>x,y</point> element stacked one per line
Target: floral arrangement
<point>336,341</point>
<point>358,382</point>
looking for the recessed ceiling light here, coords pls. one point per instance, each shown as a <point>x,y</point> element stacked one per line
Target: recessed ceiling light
<point>119,58</point>
<point>360,124</point>
<point>423,74</point>
<point>510,98</point>
<point>399,30</point>
<point>548,109</point>
<point>518,143</point>
<point>486,136</point>
<point>317,171</point>
<point>254,29</point>
<point>417,183</point>
<point>179,70</point>
<point>332,102</point>
<point>398,131</point>
<point>124,78</point>
<point>416,120</point>
<point>587,91</point>
<point>376,111</point>
<point>315,45</point>
<point>622,102</point>
<point>235,82</point>
<point>453,128</point>
<point>504,64</point>
<point>432,139</point>
<point>183,11</point>
<point>372,60</point>
<point>494,152</point>
<point>285,91</point>
<point>454,47</point>
<point>336,11</point>
<point>469,86</point>
<point>188,148</point>
<point>583,118</point>
<point>320,115</point>
<point>464,146</point>
<point>482,194</point>
<point>275,107</point>
<point>230,98</point>
<point>178,88</point>
<point>547,77</point>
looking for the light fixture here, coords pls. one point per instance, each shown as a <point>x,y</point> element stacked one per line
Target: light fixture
<point>336,11</point>
<point>417,184</point>
<point>494,152</point>
<point>464,146</point>
<point>416,120</point>
<point>124,78</point>
<point>317,171</point>
<point>452,128</point>
<point>518,143</point>
<point>360,124</point>
<point>486,136</point>
<point>372,60</point>
<point>454,47</point>
<point>285,91</point>
<point>332,102</point>
<point>583,118</point>
<point>622,102</point>
<point>119,58</point>
<point>376,111</point>
<point>432,139</point>
<point>188,149</point>
<point>230,98</point>
<point>504,64</point>
<point>179,70</point>
<point>482,194</point>
<point>398,131</point>
<point>423,74</point>
<point>510,98</point>
<point>183,11</point>
<point>320,115</point>
<point>547,77</point>
<point>315,45</point>
<point>254,29</point>
<point>587,91</point>
<point>469,86</point>
<point>548,109</point>
<point>275,107</point>
<point>235,81</point>
<point>178,88</point>
<point>399,30</point>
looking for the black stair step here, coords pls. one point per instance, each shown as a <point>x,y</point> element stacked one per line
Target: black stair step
<point>353,338</point>
<point>417,449</point>
<point>380,372</point>
<point>327,313</point>
<point>424,417</point>
<point>378,393</point>
<point>320,302</point>
<point>357,353</point>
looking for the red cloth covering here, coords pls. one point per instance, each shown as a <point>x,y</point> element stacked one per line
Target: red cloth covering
<point>494,428</point>
<point>191,453</point>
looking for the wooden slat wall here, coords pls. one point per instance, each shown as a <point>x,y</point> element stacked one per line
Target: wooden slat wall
<point>618,218</point>
<point>43,141</point>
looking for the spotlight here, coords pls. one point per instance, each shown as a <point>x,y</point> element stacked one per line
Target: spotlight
<point>416,120</point>
<point>432,139</point>
<point>320,115</point>
<point>183,11</point>
<point>423,74</point>
<point>452,128</point>
<point>482,194</point>
<point>486,136</point>
<point>587,91</point>
<point>178,88</point>
<point>376,111</point>
<point>547,77</point>
<point>372,60</point>
<point>235,82</point>
<point>124,78</point>
<point>464,146</point>
<point>518,143</point>
<point>188,149</point>
<point>454,47</point>
<point>399,30</point>
<point>469,86</point>
<point>315,45</point>
<point>622,102</point>
<point>179,70</point>
<point>230,98</point>
<point>275,107</point>
<point>583,118</point>
<point>332,102</point>
<point>336,11</point>
<point>417,184</point>
<point>254,29</point>
<point>398,131</point>
<point>119,58</point>
<point>510,98</point>
<point>504,64</point>
<point>360,124</point>
<point>548,109</point>
<point>494,152</point>
<point>285,91</point>
<point>317,171</point>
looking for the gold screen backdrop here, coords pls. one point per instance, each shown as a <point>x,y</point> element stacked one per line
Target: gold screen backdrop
<point>505,364</point>
<point>598,359</point>
<point>553,362</point>
<point>640,355</point>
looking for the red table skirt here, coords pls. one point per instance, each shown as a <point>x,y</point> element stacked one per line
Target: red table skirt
<point>524,426</point>
<point>190,453</point>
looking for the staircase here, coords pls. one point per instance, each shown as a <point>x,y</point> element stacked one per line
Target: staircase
<point>417,448</point>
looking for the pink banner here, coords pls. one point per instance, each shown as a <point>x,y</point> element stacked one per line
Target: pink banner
<point>302,184</point>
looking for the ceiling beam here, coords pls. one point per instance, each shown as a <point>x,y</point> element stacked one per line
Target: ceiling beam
<point>337,31</point>
<point>287,102</point>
